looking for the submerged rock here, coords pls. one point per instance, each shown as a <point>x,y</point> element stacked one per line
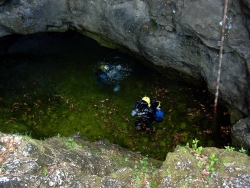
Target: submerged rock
<point>77,162</point>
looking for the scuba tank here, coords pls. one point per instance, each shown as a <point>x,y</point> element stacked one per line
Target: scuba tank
<point>159,114</point>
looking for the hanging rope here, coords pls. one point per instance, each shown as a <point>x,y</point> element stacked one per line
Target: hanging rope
<point>220,55</point>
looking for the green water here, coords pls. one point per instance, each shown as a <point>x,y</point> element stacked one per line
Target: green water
<point>51,89</point>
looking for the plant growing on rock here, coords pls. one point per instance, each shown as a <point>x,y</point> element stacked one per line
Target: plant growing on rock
<point>1,169</point>
<point>142,171</point>
<point>195,147</point>
<point>210,166</point>
<point>242,150</point>
<point>229,148</point>
<point>71,143</point>
<point>45,171</point>
<point>204,162</point>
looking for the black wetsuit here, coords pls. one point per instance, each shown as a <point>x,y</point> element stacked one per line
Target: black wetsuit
<point>146,114</point>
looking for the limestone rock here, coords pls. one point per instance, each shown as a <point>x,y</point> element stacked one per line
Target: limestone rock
<point>240,133</point>
<point>182,35</point>
<point>77,162</point>
<point>247,2</point>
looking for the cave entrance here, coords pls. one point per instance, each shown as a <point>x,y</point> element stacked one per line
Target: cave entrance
<point>48,87</point>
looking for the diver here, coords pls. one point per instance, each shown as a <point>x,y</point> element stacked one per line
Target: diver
<point>148,111</point>
<point>108,73</point>
<point>111,74</point>
<point>111,71</point>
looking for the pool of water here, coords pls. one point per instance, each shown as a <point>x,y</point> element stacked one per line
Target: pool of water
<point>49,88</point>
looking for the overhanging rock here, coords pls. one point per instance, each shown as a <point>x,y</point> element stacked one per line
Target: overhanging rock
<point>182,35</point>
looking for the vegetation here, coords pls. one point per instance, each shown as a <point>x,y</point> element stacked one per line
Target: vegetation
<point>229,148</point>
<point>142,172</point>
<point>1,169</point>
<point>242,150</point>
<point>45,171</point>
<point>186,166</point>
<point>72,144</point>
<point>207,163</point>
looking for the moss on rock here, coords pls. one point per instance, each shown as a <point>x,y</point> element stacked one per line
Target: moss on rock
<point>75,161</point>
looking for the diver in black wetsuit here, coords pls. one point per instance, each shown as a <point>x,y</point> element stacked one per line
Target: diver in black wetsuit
<point>148,111</point>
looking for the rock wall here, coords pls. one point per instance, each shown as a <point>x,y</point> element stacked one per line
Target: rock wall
<point>76,162</point>
<point>179,34</point>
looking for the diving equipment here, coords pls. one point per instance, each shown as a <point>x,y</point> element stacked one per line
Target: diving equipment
<point>147,99</point>
<point>159,114</point>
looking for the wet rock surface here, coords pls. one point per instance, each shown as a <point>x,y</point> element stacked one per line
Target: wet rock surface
<point>76,162</point>
<point>240,134</point>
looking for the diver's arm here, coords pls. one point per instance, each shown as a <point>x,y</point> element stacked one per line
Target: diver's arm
<point>137,113</point>
<point>134,112</point>
<point>144,112</point>
<point>141,113</point>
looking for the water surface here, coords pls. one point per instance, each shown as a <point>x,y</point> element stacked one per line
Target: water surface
<point>49,88</point>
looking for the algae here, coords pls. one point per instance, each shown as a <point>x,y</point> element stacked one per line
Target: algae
<point>59,93</point>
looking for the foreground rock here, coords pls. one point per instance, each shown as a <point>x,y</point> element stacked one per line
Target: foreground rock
<point>241,133</point>
<point>76,162</point>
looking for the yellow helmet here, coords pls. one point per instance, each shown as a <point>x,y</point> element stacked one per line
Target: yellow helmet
<point>102,67</point>
<point>147,99</point>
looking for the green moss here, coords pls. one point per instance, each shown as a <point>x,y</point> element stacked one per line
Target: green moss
<point>162,143</point>
<point>183,125</point>
<point>71,118</point>
<point>24,118</point>
<point>68,99</point>
<point>29,122</point>
<point>184,137</point>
